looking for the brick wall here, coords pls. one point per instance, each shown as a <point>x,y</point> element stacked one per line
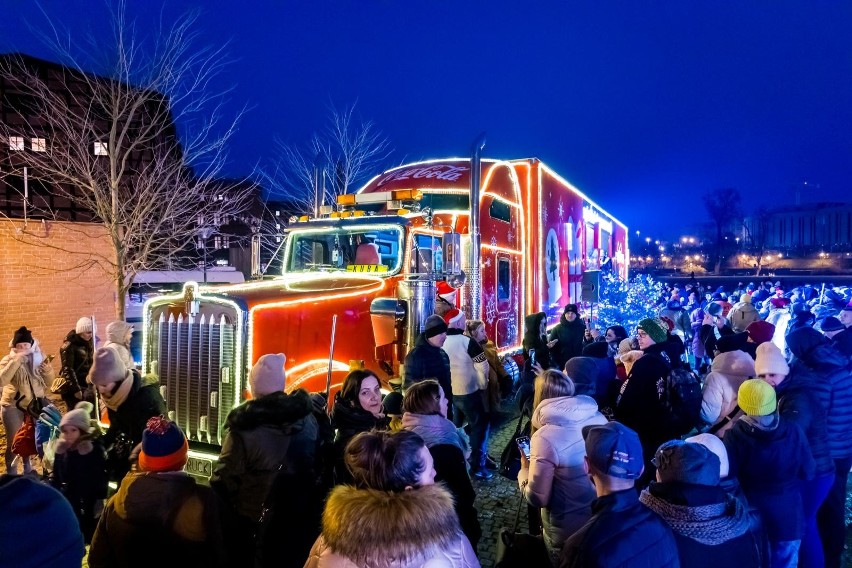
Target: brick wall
<point>46,286</point>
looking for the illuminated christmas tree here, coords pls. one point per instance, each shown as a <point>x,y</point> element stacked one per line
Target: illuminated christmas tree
<point>626,302</point>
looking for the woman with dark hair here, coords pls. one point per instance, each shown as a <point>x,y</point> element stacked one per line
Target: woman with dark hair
<point>394,514</point>
<point>553,477</point>
<point>357,408</point>
<point>425,414</point>
<point>613,336</point>
<point>539,353</point>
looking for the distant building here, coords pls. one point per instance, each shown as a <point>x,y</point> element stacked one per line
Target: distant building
<point>804,227</point>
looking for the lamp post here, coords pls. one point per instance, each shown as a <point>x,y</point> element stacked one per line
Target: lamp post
<point>204,232</point>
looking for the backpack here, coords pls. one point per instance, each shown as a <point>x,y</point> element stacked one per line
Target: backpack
<point>682,398</point>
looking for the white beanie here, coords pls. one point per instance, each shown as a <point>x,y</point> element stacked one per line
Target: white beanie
<point>770,360</point>
<point>84,325</point>
<point>80,417</point>
<point>715,445</point>
<point>267,375</point>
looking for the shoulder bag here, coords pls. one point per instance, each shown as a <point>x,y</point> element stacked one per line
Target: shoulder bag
<point>520,549</point>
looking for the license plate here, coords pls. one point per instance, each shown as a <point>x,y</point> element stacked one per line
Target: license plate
<point>201,467</point>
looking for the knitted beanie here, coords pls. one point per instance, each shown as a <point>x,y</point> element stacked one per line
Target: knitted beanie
<point>770,360</point>
<point>267,375</point>
<point>686,462</point>
<point>79,417</point>
<point>164,447</point>
<point>756,397</point>
<point>22,335</point>
<point>760,331</point>
<point>392,403</point>
<point>584,372</point>
<point>655,328</point>
<point>84,325</point>
<point>106,368</point>
<point>745,298</point>
<point>435,325</point>
<point>715,445</point>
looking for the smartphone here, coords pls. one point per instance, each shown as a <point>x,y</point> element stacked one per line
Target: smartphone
<point>524,445</point>
<point>532,356</point>
<point>50,358</point>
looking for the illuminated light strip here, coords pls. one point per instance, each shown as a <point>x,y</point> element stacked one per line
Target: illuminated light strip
<point>238,354</point>
<point>422,162</point>
<point>288,280</point>
<point>540,224</point>
<point>581,194</point>
<point>380,284</point>
<point>305,372</point>
<point>503,249</point>
<point>501,199</point>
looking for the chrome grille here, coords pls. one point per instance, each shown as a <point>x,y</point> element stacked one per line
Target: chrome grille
<point>195,361</point>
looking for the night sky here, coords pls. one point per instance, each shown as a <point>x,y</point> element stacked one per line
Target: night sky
<point>643,105</point>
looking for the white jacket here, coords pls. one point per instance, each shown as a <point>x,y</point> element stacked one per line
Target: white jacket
<point>467,374</point>
<point>719,394</point>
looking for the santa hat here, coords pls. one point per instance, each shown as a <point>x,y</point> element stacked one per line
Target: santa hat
<point>267,375</point>
<point>454,317</point>
<point>447,292</point>
<point>164,447</point>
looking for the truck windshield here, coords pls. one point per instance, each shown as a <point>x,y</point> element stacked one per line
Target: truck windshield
<point>348,249</point>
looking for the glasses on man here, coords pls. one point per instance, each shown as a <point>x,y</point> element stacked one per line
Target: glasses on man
<point>641,333</point>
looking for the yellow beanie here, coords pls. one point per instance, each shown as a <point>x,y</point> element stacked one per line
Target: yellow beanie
<point>756,397</point>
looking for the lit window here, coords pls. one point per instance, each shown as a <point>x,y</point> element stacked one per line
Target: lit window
<point>16,143</point>
<point>39,145</point>
<point>100,149</point>
<point>217,242</point>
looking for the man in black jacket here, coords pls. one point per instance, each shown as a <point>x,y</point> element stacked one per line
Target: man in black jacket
<point>622,531</point>
<point>428,361</point>
<point>570,331</point>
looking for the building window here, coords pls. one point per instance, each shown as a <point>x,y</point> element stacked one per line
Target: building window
<point>100,149</point>
<point>39,145</point>
<point>504,280</point>
<point>16,143</point>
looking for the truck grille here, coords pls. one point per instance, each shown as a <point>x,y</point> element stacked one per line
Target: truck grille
<point>195,361</point>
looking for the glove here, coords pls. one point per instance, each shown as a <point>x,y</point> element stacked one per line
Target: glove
<point>50,415</point>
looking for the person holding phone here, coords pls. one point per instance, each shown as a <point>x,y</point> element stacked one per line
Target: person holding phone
<point>552,476</point>
<point>538,355</point>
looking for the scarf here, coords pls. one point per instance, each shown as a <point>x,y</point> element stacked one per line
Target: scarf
<point>117,398</point>
<point>433,428</point>
<point>710,525</point>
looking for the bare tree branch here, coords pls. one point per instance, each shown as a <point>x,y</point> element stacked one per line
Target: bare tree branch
<point>150,188</point>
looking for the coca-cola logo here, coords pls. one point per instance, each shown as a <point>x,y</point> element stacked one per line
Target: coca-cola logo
<point>437,171</point>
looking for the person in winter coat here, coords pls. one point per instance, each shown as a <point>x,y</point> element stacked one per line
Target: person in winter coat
<point>614,335</point>
<point>79,467</point>
<point>682,327</point>
<point>539,352</point>
<point>553,478</point>
<point>76,355</point>
<point>713,327</point>
<point>771,457</point>
<point>622,531</point>
<point>742,314</point>
<point>129,404</point>
<point>119,334</point>
<point>24,375</point>
<point>719,394</point>
<point>272,433</point>
<point>798,404</point>
<point>779,316</point>
<point>570,331</point>
<point>640,404</point>
<point>700,360</point>
<point>357,408</point>
<point>394,515</point>
<point>711,527</point>
<point>428,361</point>
<point>499,381</point>
<point>469,375</point>
<point>160,508</point>
<point>822,369</point>
<point>425,415</point>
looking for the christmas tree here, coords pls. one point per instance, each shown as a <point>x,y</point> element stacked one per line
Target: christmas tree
<point>626,302</point>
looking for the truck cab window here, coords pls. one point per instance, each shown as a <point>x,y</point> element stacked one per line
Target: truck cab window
<point>426,254</point>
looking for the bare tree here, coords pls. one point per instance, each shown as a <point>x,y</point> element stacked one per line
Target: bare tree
<point>112,147</point>
<point>757,232</point>
<point>723,206</point>
<point>348,151</point>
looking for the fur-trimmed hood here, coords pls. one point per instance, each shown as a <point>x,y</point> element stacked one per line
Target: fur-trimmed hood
<point>380,528</point>
<point>275,408</point>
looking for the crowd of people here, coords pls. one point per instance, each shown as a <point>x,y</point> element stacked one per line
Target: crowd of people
<point>615,475</point>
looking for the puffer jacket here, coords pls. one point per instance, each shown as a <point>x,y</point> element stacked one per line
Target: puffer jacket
<point>779,317</point>
<point>719,394</point>
<point>426,361</point>
<point>818,364</point>
<point>556,480</point>
<point>622,532</point>
<point>76,356</point>
<point>406,529</point>
<point>798,404</point>
<point>570,336</point>
<point>741,315</point>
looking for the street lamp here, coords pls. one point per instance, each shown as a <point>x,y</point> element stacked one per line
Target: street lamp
<point>204,233</point>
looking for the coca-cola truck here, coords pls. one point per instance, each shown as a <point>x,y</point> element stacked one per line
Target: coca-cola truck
<point>359,279</point>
